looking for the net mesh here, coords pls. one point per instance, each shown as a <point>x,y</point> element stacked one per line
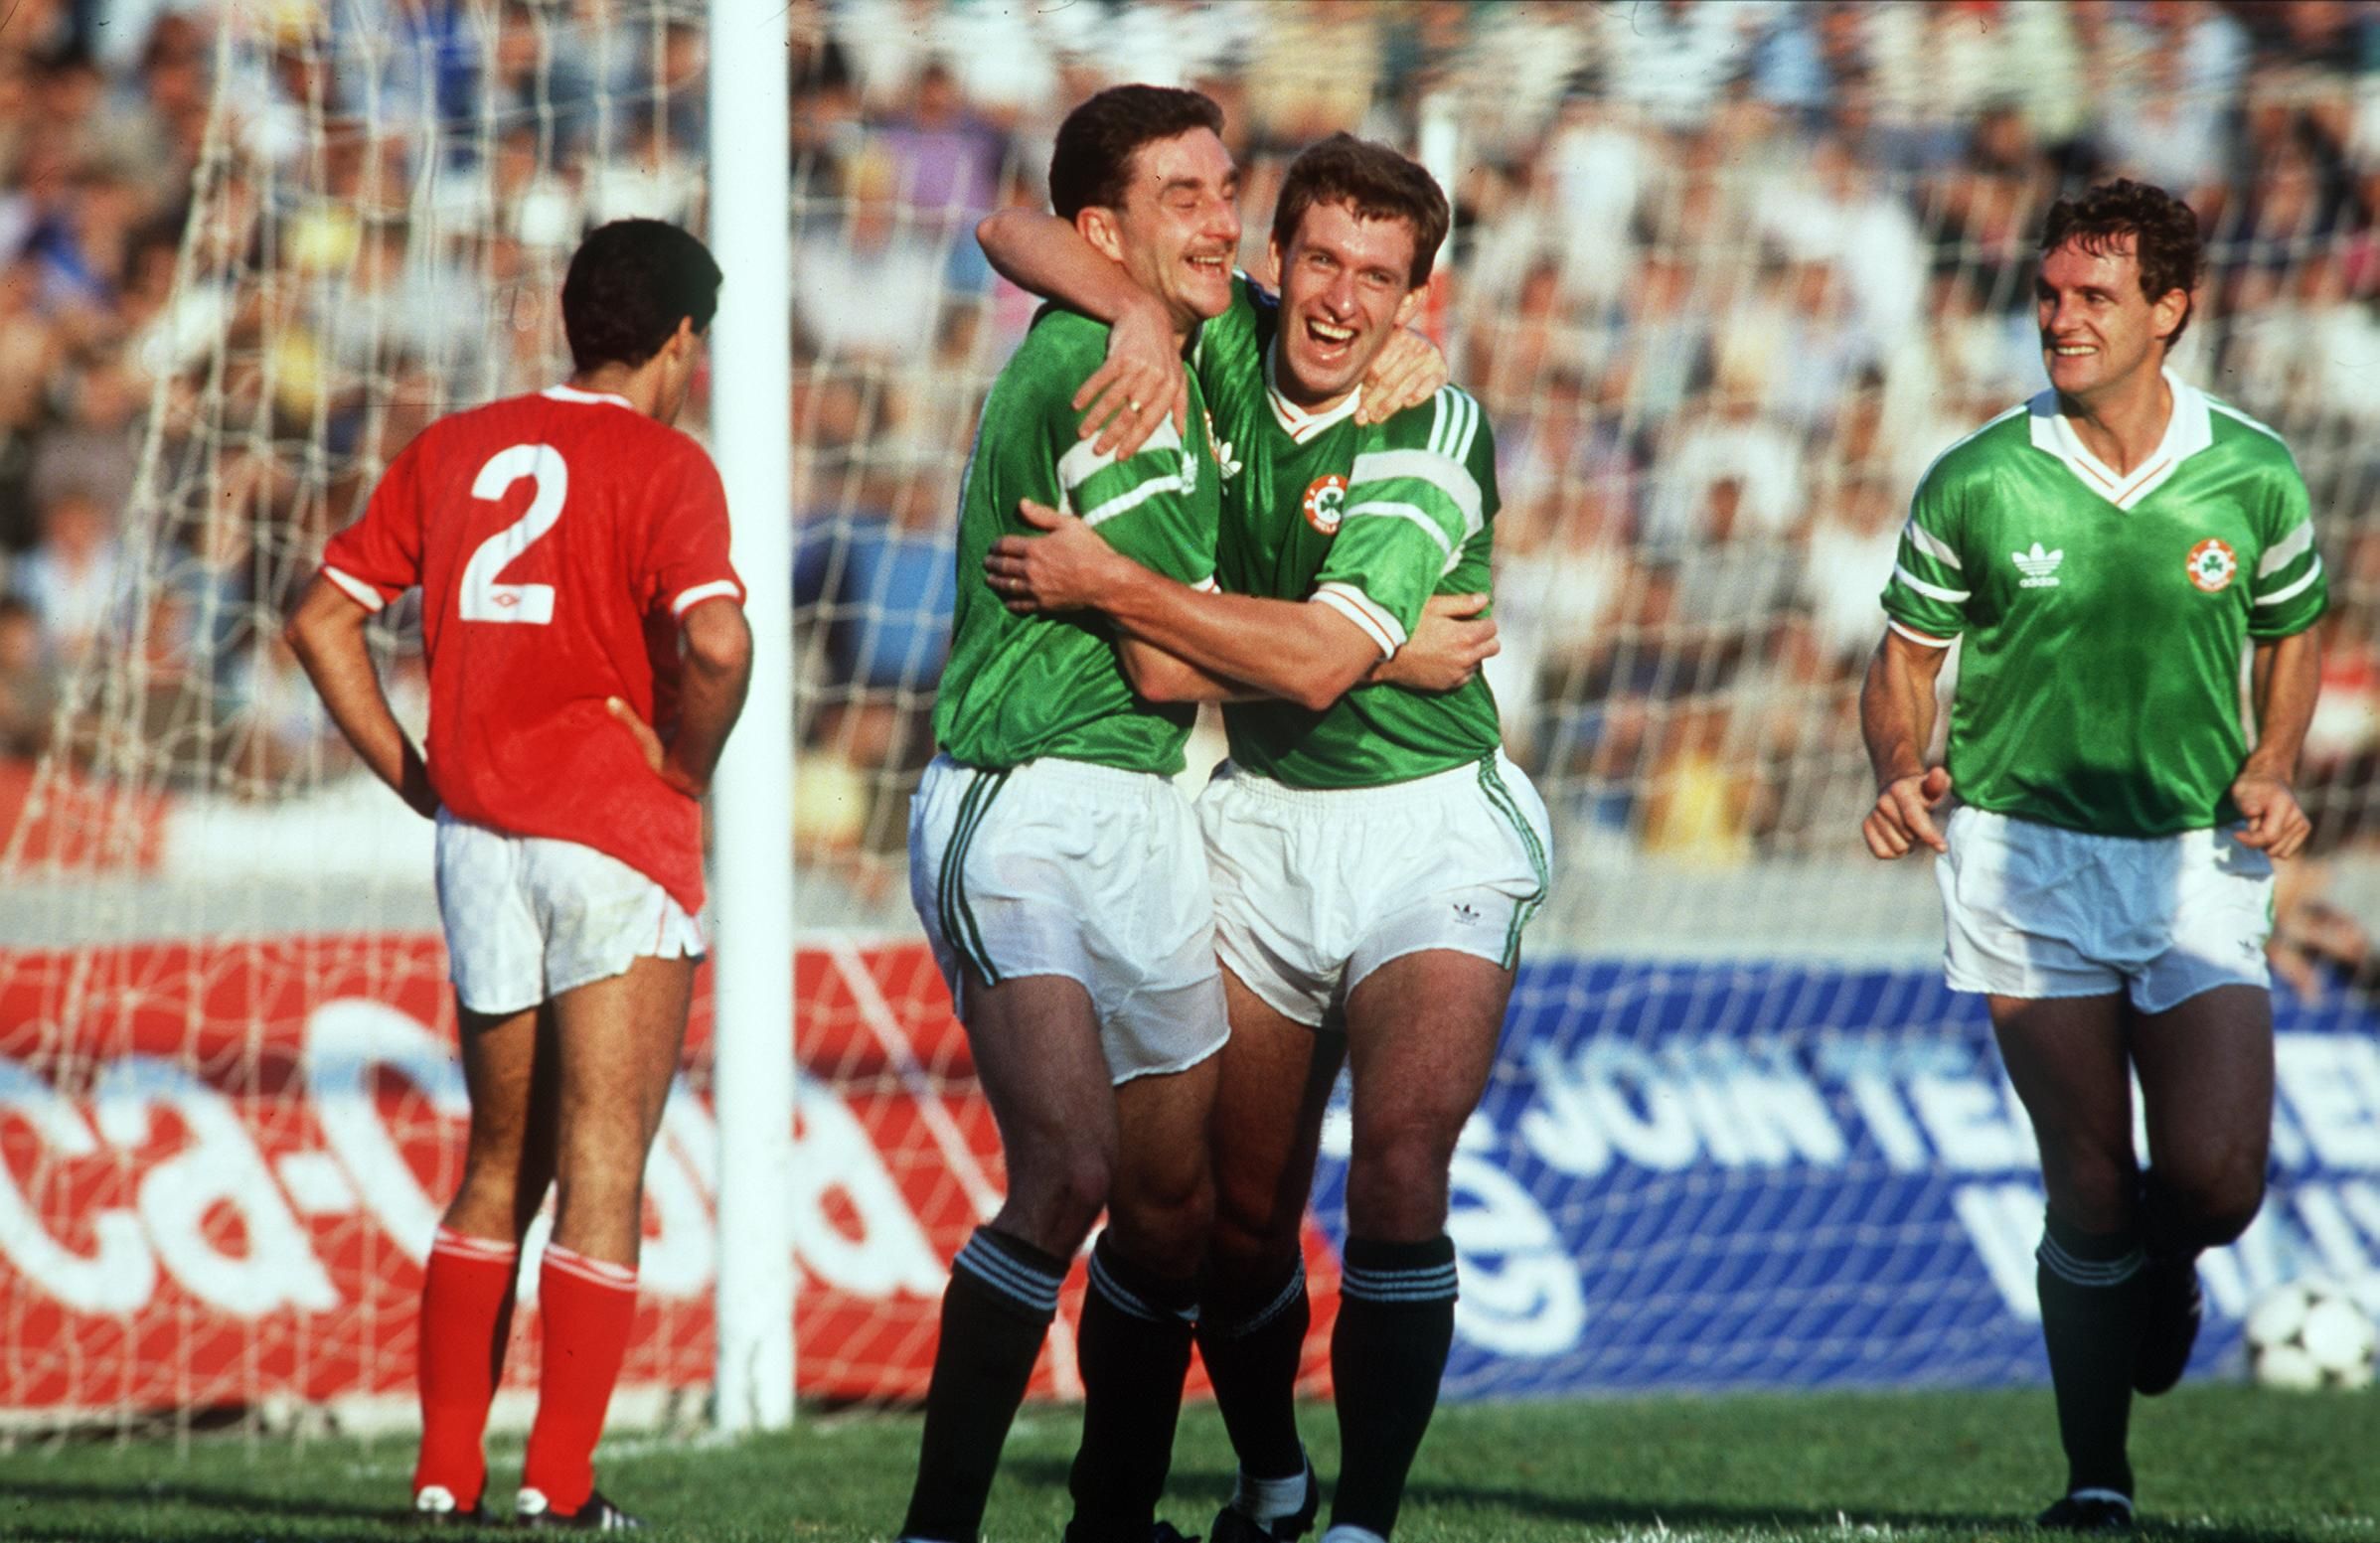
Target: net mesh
<point>1723,293</point>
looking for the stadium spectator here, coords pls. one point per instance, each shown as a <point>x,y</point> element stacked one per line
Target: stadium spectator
<point>1607,266</point>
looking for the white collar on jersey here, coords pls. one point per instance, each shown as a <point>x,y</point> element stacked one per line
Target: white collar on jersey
<point>2190,429</point>
<point>572,394</point>
<point>1300,425</point>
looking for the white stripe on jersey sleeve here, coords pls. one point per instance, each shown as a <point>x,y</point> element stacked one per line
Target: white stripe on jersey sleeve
<point>2286,550</point>
<point>2314,570</point>
<point>356,591</point>
<point>1132,499</point>
<point>1922,639</point>
<point>1931,545</point>
<point>701,592</point>
<point>1929,591</point>
<point>1085,460</point>
<point>1397,511</point>
<point>1448,476</point>
<point>1385,630</point>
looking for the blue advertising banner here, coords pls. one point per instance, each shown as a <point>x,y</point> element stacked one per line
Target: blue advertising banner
<point>1707,1175</point>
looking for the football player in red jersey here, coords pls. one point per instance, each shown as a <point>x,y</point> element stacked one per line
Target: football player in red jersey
<point>587,656</point>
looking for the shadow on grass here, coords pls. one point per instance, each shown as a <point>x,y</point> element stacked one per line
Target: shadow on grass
<point>258,1513</point>
<point>1659,1518</point>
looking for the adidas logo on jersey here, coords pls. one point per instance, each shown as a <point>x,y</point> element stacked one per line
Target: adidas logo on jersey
<point>2040,569</point>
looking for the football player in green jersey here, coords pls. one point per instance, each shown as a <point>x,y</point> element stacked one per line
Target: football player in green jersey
<point>1373,853</point>
<point>2104,555</point>
<point>1057,871</point>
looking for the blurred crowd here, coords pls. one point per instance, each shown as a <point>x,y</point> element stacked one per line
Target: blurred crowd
<point>1726,274</point>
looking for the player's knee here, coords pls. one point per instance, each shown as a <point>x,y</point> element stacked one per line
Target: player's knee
<point>2213,1209</point>
<point>1397,1179</point>
<point>1248,1228</point>
<point>1056,1194</point>
<point>2093,1189</point>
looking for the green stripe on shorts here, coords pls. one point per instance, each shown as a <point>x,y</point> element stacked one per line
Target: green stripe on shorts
<point>958,918</point>
<point>1491,783</point>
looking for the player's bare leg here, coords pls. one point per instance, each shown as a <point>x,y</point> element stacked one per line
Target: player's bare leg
<point>2206,1091</point>
<point>618,1041</point>
<point>2067,1057</point>
<point>1039,1059</point>
<point>1133,1341</point>
<point>468,1281</point>
<point>1422,1032</point>
<point>1275,1083</point>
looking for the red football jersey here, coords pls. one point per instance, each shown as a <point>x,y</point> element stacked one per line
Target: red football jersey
<point>556,539</point>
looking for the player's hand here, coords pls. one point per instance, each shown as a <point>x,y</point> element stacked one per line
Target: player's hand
<point>1141,384</point>
<point>1904,813</point>
<point>1066,568</point>
<point>2276,823</point>
<point>646,741</point>
<point>1407,372</point>
<point>1446,648</point>
<point>417,790</point>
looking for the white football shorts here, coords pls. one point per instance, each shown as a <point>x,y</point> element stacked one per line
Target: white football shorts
<point>529,918</point>
<point>2036,910</point>
<point>1315,889</point>
<point>1064,868</point>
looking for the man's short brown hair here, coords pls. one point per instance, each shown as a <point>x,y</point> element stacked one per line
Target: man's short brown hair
<point>1090,167</point>
<point>1377,183</point>
<point>2161,229</point>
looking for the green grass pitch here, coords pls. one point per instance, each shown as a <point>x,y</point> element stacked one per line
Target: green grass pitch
<point>2216,1463</point>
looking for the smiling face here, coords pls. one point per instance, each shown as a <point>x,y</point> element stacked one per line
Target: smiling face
<point>2099,332</point>
<point>1178,224</point>
<point>1345,287</point>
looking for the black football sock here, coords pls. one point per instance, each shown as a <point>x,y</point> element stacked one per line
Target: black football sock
<point>1396,1322</point>
<point>996,1312</point>
<point>1134,1348</point>
<point>2089,1286</point>
<point>1251,1342</point>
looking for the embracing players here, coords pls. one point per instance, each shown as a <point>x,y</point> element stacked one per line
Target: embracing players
<point>2104,553</point>
<point>572,551</point>
<point>1375,856</point>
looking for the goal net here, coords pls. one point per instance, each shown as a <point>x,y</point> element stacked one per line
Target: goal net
<point>1738,1134</point>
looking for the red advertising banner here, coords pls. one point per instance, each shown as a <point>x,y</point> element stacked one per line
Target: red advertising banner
<point>221,1165</point>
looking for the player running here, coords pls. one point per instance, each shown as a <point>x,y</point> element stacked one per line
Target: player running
<point>572,550</point>
<point>1375,856</point>
<point>2107,551</point>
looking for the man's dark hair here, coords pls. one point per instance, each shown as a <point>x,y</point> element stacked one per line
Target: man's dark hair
<point>630,283</point>
<point>2160,228</point>
<point>1381,185</point>
<point>1091,167</point>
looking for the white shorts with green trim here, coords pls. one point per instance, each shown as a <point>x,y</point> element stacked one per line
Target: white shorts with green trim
<point>528,917</point>
<point>1315,889</point>
<point>2037,911</point>
<point>1063,867</point>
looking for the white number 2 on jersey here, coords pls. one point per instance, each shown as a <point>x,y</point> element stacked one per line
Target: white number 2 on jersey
<point>483,599</point>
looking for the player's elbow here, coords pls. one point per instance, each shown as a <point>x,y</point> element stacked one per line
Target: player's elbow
<point>1159,676</point>
<point>718,640</point>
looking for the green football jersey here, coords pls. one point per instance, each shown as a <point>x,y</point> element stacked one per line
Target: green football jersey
<point>1370,520</point>
<point>2105,617</point>
<point>1021,686</point>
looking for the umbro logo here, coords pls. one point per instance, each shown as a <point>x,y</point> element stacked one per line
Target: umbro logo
<point>2040,569</point>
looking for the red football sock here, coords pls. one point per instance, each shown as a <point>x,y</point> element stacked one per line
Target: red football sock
<point>589,1305</point>
<point>466,1318</point>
